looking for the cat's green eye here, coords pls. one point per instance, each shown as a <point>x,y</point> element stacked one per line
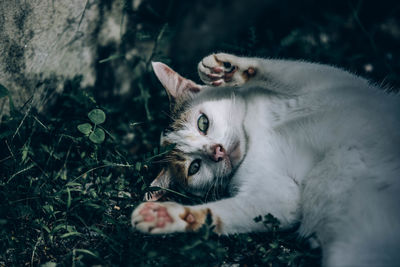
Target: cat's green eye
<point>202,123</point>
<point>194,167</point>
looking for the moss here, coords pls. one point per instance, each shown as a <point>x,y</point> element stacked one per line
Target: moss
<point>21,16</point>
<point>14,57</point>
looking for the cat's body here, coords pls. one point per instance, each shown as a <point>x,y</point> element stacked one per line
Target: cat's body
<point>305,142</point>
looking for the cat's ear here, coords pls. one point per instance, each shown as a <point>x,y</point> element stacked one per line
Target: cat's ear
<point>163,180</point>
<point>177,87</point>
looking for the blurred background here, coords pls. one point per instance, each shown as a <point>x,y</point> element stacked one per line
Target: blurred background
<point>66,192</point>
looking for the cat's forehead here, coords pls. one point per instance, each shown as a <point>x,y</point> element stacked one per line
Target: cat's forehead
<point>206,97</point>
<point>212,107</point>
<point>187,140</point>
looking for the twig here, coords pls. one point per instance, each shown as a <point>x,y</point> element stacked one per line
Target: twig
<point>34,248</point>
<point>23,199</point>
<point>112,137</point>
<point>101,167</point>
<point>83,14</point>
<point>67,156</point>
<point>70,137</point>
<point>26,102</point>
<point>41,124</point>
<point>37,165</point>
<point>73,257</point>
<point>154,50</point>
<point>65,163</point>
<point>122,19</point>
<point>6,158</point>
<point>22,121</point>
<point>21,171</point>
<point>9,149</point>
<point>145,97</point>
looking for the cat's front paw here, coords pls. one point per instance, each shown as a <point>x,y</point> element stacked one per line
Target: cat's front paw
<point>159,218</point>
<point>225,69</point>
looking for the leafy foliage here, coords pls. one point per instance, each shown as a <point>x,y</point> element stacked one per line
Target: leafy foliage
<point>71,175</point>
<point>95,134</point>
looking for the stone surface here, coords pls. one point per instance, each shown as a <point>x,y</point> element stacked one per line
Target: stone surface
<point>44,43</point>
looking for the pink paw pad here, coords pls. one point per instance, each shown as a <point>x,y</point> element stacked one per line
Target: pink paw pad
<point>217,69</point>
<point>217,83</point>
<point>152,212</point>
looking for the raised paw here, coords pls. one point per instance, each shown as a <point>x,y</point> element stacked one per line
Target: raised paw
<point>158,218</point>
<point>225,69</point>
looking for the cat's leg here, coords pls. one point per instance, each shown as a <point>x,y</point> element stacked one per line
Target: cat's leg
<point>284,76</point>
<point>226,69</point>
<point>232,215</point>
<point>170,217</point>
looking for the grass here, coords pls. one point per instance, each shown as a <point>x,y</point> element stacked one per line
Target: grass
<point>67,194</point>
<point>67,198</point>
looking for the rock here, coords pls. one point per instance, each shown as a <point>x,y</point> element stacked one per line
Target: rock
<point>43,44</point>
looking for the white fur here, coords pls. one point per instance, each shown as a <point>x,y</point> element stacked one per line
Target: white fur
<point>323,150</point>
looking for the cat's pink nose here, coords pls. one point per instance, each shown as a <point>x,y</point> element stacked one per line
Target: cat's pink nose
<point>218,153</point>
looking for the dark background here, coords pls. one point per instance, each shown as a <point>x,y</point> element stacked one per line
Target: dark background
<point>349,34</point>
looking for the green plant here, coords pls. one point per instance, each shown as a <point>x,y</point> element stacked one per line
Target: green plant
<point>94,132</point>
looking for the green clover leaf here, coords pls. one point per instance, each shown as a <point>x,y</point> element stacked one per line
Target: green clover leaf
<point>97,116</point>
<point>97,136</point>
<point>85,128</point>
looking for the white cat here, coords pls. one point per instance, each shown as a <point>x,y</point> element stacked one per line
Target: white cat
<point>305,142</point>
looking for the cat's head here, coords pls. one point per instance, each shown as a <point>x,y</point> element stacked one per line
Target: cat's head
<point>208,133</point>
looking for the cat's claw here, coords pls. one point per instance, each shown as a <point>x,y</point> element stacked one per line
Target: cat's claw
<point>224,69</point>
<point>159,218</point>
